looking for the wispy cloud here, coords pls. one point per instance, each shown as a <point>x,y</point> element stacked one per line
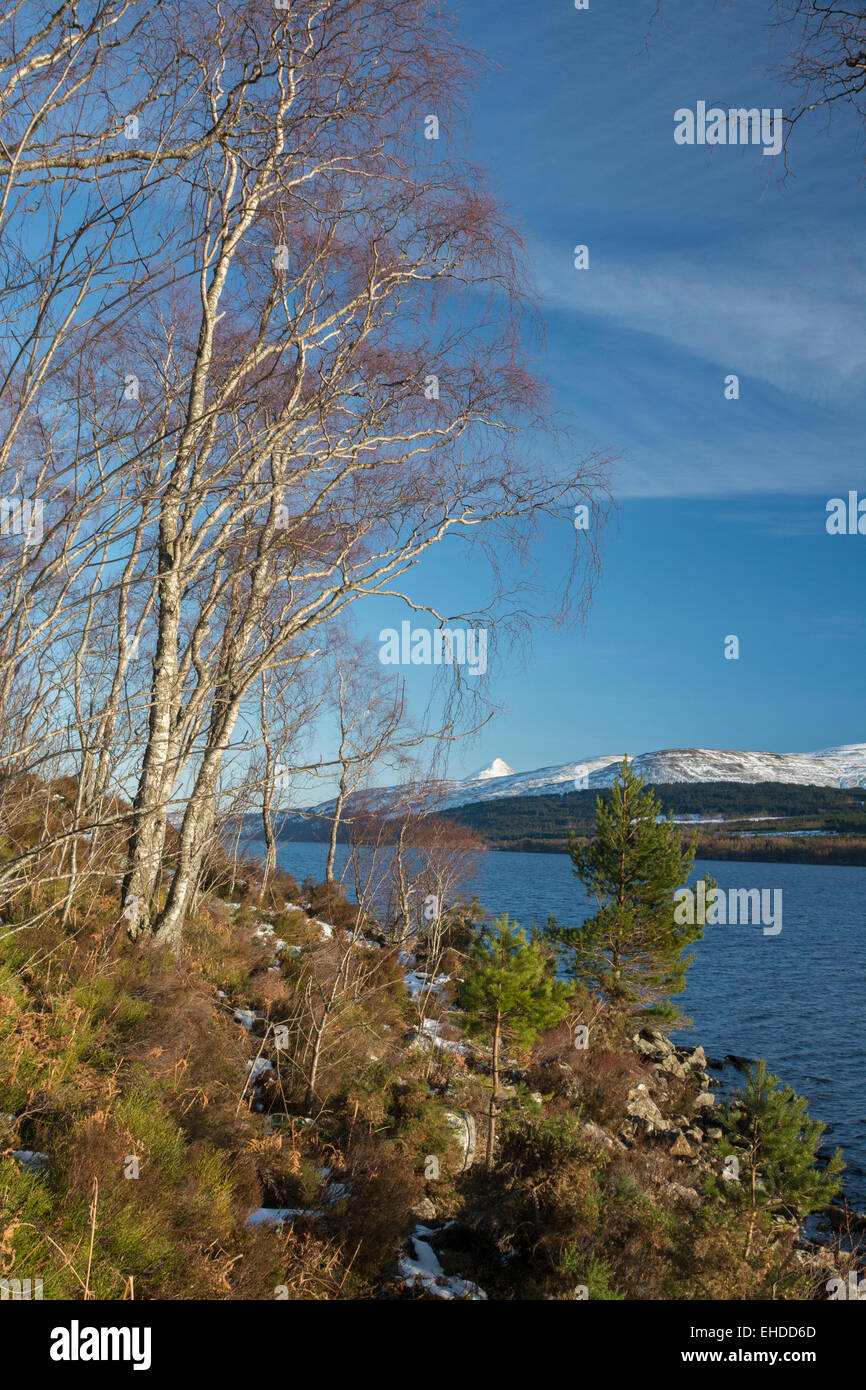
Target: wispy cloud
<point>787,317</point>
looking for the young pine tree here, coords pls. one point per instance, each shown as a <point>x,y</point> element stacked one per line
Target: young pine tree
<point>631,951</point>
<point>509,993</point>
<point>771,1123</point>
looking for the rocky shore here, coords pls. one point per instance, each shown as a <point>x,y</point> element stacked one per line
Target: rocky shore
<point>668,1114</point>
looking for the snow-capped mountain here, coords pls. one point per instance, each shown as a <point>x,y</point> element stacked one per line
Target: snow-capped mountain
<point>831,767</point>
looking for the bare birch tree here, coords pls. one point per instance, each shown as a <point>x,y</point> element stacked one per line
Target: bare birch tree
<point>268,348</point>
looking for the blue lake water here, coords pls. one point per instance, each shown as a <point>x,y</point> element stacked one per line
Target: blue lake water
<point>795,999</point>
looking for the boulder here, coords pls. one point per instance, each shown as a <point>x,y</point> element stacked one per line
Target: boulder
<point>652,1043</point>
<point>705,1100</point>
<point>843,1218</point>
<point>655,1035</point>
<point>674,1067</point>
<point>564,1080</point>
<point>681,1148</point>
<point>686,1196</point>
<point>424,1210</point>
<point>463,1125</point>
<point>741,1063</point>
<point>694,1057</point>
<point>645,1112</point>
<point>597,1134</point>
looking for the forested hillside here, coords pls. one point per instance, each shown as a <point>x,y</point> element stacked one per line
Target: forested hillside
<point>545,822</point>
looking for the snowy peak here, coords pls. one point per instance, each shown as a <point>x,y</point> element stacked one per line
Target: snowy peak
<point>498,768</point>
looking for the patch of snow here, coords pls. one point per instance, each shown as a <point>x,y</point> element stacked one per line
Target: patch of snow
<point>277,1216</point>
<point>337,1191</point>
<point>430,1032</point>
<point>417,983</point>
<point>423,1267</point>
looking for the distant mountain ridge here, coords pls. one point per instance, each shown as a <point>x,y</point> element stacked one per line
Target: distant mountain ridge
<point>844,766</point>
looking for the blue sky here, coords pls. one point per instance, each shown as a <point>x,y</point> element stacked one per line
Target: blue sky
<point>703,262</point>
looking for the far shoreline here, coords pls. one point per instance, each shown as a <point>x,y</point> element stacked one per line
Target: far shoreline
<point>835,856</point>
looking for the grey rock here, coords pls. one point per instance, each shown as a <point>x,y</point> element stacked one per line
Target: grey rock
<point>652,1043</point>
<point>741,1063</point>
<point>645,1112</point>
<point>694,1057</point>
<point>655,1035</point>
<point>686,1196</point>
<point>597,1134</point>
<point>463,1125</point>
<point>674,1067</point>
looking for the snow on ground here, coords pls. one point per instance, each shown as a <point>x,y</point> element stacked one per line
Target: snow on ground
<point>277,1216</point>
<point>430,1032</point>
<point>417,983</point>
<point>423,1267</point>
